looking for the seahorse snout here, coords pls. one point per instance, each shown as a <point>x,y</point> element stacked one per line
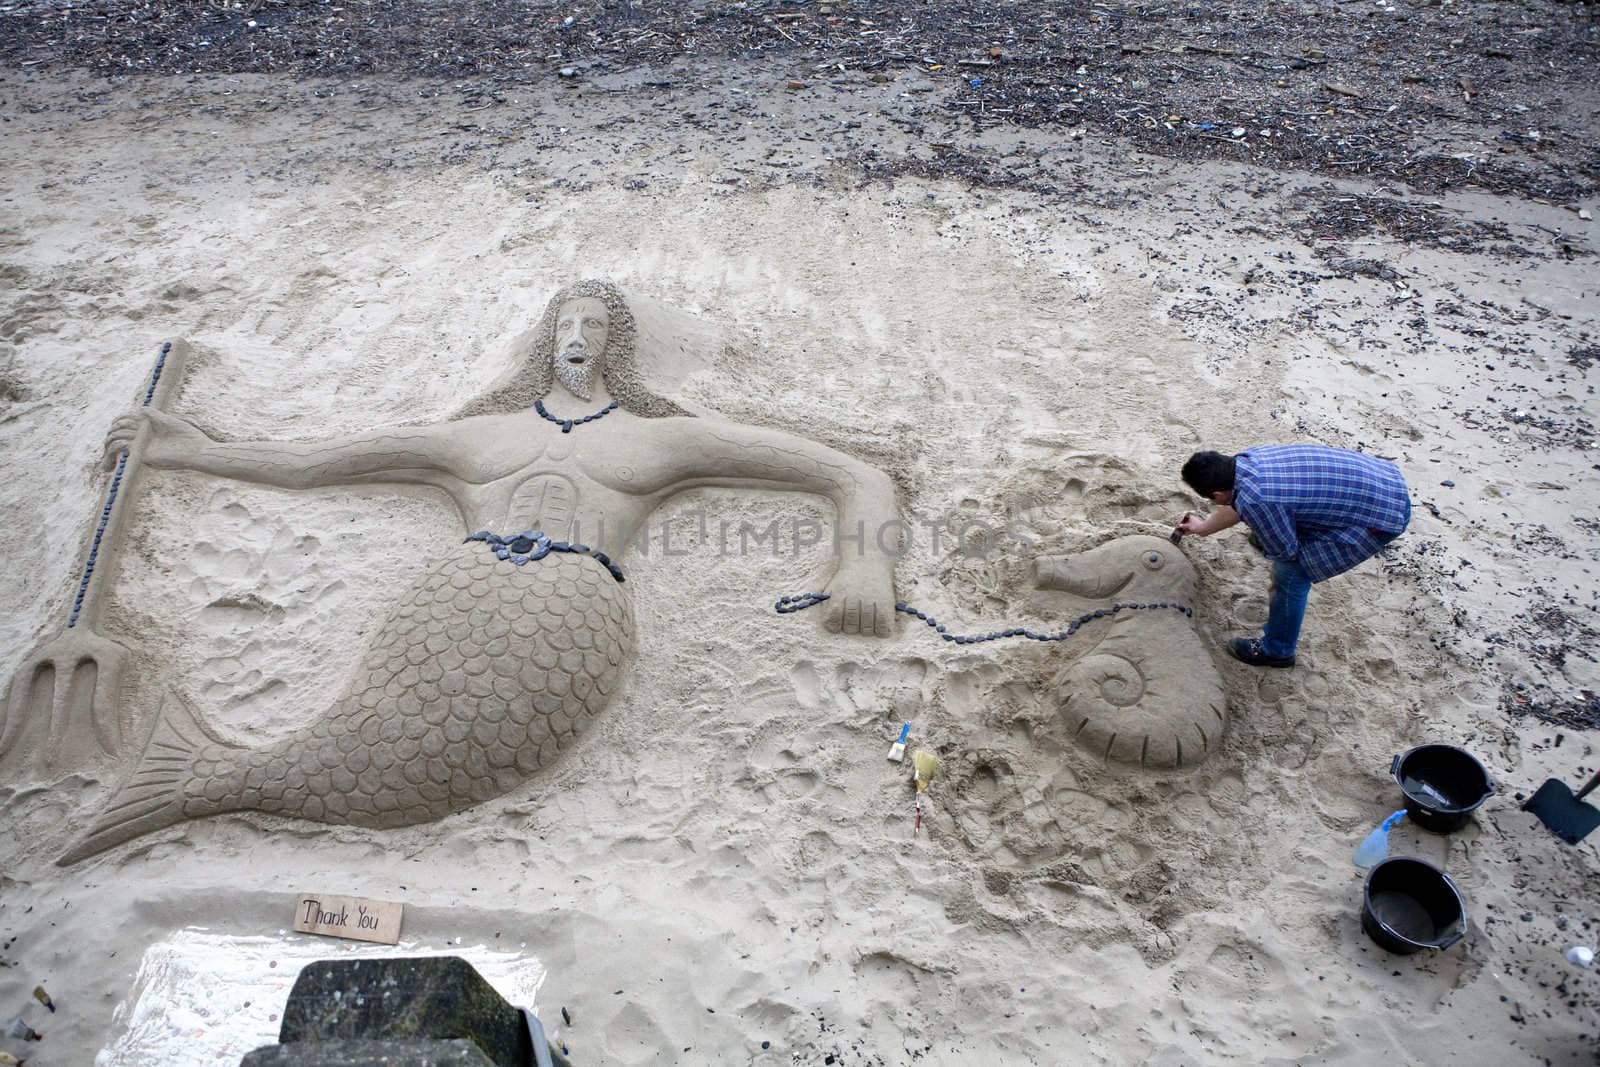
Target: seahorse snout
<point>1136,567</point>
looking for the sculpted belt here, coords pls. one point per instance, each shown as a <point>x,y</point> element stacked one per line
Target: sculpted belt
<point>532,545</point>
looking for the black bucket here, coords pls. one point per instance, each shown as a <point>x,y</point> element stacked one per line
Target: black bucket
<point>1410,905</point>
<point>1443,786</point>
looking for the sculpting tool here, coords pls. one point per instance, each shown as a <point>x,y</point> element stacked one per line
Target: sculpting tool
<point>23,1032</point>
<point>1563,811</point>
<point>924,766</point>
<point>897,751</point>
<point>44,998</point>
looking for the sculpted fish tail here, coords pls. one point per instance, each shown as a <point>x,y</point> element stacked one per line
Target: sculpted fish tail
<point>154,796</point>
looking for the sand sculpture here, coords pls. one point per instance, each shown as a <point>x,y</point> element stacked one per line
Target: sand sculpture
<point>1147,692</point>
<point>513,641</point>
<point>61,708</point>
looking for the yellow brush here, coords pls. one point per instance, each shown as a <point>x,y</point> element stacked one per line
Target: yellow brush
<point>924,766</point>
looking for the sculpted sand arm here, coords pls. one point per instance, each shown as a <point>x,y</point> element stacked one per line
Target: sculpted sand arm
<point>427,455</point>
<point>710,452</point>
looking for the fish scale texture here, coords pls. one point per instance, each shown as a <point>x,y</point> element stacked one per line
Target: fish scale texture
<point>482,675</point>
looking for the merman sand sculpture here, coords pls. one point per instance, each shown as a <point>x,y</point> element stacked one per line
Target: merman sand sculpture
<point>1147,692</point>
<point>512,642</point>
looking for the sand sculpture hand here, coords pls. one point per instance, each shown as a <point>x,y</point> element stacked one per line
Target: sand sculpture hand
<point>170,438</point>
<point>860,603</point>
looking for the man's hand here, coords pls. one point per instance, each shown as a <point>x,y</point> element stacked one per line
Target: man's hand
<point>1219,520</point>
<point>860,604</point>
<point>169,440</point>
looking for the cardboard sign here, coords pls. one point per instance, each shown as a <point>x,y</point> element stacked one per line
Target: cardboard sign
<point>353,917</point>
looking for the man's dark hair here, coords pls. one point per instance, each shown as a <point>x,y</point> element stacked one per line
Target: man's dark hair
<point>1209,472</point>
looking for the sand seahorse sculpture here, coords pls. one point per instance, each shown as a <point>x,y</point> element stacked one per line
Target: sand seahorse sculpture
<point>518,637</point>
<point>1148,692</point>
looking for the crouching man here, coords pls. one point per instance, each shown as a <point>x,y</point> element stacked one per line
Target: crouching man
<point>1314,511</point>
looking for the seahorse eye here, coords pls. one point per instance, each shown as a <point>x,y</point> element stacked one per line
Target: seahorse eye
<point>1154,560</point>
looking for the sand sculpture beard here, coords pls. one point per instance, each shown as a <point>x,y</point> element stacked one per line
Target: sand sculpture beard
<point>577,378</point>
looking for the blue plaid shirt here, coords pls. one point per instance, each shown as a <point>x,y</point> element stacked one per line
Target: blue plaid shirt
<point>1326,509</point>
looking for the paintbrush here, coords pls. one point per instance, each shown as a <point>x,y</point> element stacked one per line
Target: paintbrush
<point>924,766</point>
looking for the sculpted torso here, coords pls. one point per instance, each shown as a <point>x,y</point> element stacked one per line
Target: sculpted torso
<point>520,471</point>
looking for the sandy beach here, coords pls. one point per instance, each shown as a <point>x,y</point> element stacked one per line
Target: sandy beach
<point>1028,327</point>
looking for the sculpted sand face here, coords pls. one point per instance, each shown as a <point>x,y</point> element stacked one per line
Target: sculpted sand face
<point>498,657</point>
<point>582,328</point>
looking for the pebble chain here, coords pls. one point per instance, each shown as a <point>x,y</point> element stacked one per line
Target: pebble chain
<point>111,499</point>
<point>567,424</point>
<point>788,605</point>
<point>532,545</point>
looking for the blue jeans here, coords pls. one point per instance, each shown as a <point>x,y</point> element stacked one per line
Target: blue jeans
<point>1291,588</point>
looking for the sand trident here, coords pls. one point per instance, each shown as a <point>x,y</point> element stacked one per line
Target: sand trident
<point>62,707</point>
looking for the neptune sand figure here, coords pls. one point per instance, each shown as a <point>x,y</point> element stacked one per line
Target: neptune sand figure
<point>500,654</point>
